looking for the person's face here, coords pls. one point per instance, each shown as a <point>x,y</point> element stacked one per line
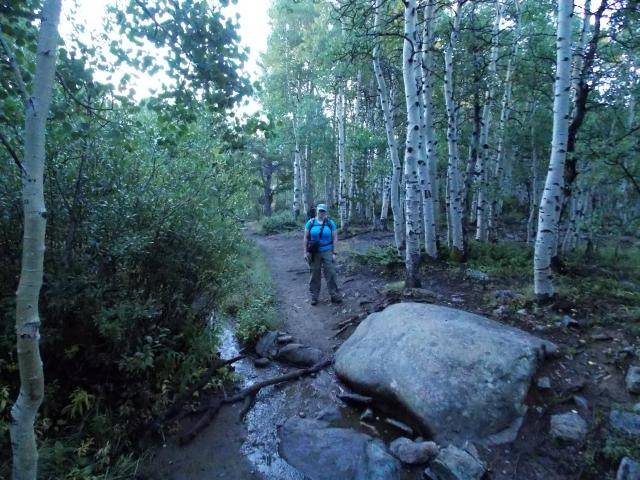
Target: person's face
<point>322,214</point>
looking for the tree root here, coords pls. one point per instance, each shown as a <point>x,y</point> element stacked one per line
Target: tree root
<point>250,392</point>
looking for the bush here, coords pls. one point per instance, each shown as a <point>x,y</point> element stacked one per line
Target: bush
<point>385,257</point>
<point>278,223</point>
<point>132,270</point>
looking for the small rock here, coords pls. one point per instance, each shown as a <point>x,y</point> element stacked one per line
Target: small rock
<point>501,310</point>
<point>266,346</point>
<point>400,426</point>
<point>298,354</point>
<point>582,404</point>
<point>568,427</point>
<point>329,414</point>
<point>412,453</point>
<point>522,311</point>
<point>633,379</point>
<point>600,337</point>
<point>504,295</point>
<point>261,362</point>
<point>477,275</point>
<point>367,415</point>
<point>456,299</point>
<point>453,463</point>
<point>544,383</point>
<point>569,322</point>
<point>355,399</point>
<point>285,339</point>
<point>627,423</point>
<point>629,469</point>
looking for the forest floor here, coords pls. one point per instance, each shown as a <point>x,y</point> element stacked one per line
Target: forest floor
<point>592,366</point>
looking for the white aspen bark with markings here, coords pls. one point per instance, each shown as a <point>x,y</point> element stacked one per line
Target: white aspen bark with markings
<point>342,201</point>
<point>552,195</point>
<point>385,104</point>
<point>430,189</point>
<point>410,55</point>
<point>25,409</point>
<point>453,161</point>
<point>482,212</point>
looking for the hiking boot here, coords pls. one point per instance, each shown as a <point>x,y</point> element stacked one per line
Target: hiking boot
<point>336,299</point>
<point>314,301</point>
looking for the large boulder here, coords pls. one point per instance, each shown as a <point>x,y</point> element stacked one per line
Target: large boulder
<point>460,375</point>
<point>320,452</point>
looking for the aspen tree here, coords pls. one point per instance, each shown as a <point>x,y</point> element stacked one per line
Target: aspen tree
<point>550,203</point>
<point>37,103</point>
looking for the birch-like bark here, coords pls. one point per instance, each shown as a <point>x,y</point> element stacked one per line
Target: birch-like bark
<point>482,230</point>
<point>533,201</point>
<point>385,104</point>
<point>410,56</point>
<point>342,201</point>
<point>25,409</point>
<point>384,209</point>
<point>552,196</point>
<point>351,201</point>
<point>453,161</point>
<point>429,190</point>
<point>295,210</point>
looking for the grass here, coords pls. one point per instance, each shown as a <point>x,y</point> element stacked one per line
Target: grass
<point>250,299</point>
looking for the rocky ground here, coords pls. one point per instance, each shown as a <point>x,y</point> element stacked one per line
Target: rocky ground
<point>580,418</point>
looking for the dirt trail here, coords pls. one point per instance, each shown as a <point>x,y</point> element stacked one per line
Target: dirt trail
<point>233,449</point>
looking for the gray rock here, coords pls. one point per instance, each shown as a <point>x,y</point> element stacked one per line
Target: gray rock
<point>569,322</point>
<point>355,399</point>
<point>329,414</point>
<point>582,405</point>
<point>568,427</point>
<point>298,354</point>
<point>285,339</point>
<point>453,463</point>
<point>477,275</point>
<point>504,295</point>
<point>629,469</point>
<point>421,295</point>
<point>627,423</point>
<point>468,389</point>
<point>633,379</point>
<point>544,383</point>
<point>321,452</point>
<point>636,407</point>
<point>261,362</point>
<point>267,346</point>
<point>412,453</point>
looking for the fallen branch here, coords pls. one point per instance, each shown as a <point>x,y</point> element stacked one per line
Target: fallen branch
<point>250,391</point>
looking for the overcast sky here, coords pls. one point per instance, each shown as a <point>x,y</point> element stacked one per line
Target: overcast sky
<point>254,30</point>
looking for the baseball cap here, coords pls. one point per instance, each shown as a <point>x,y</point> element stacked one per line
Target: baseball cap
<point>322,206</point>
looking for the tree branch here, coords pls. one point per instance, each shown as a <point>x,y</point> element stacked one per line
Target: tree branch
<point>13,153</point>
<point>16,69</point>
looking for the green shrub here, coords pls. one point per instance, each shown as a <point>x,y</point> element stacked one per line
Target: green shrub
<point>502,259</point>
<point>385,257</point>
<point>279,222</point>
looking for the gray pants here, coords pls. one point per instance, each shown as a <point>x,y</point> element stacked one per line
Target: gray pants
<point>322,261</point>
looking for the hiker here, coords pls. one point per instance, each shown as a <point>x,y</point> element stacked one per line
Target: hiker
<point>320,240</point>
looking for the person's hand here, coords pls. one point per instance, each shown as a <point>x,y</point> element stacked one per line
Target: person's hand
<point>333,255</point>
<point>307,256</point>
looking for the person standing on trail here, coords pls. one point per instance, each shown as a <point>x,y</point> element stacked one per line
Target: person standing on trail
<point>320,240</point>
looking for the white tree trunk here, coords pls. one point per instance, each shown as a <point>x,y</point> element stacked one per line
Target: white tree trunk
<point>482,213</point>
<point>410,55</point>
<point>297,187</point>
<point>430,189</point>
<point>533,201</point>
<point>25,409</point>
<point>384,210</point>
<point>453,169</point>
<point>342,201</point>
<point>383,93</point>
<point>552,196</point>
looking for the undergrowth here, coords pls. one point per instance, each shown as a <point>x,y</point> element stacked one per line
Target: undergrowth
<point>251,300</point>
<point>279,222</point>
